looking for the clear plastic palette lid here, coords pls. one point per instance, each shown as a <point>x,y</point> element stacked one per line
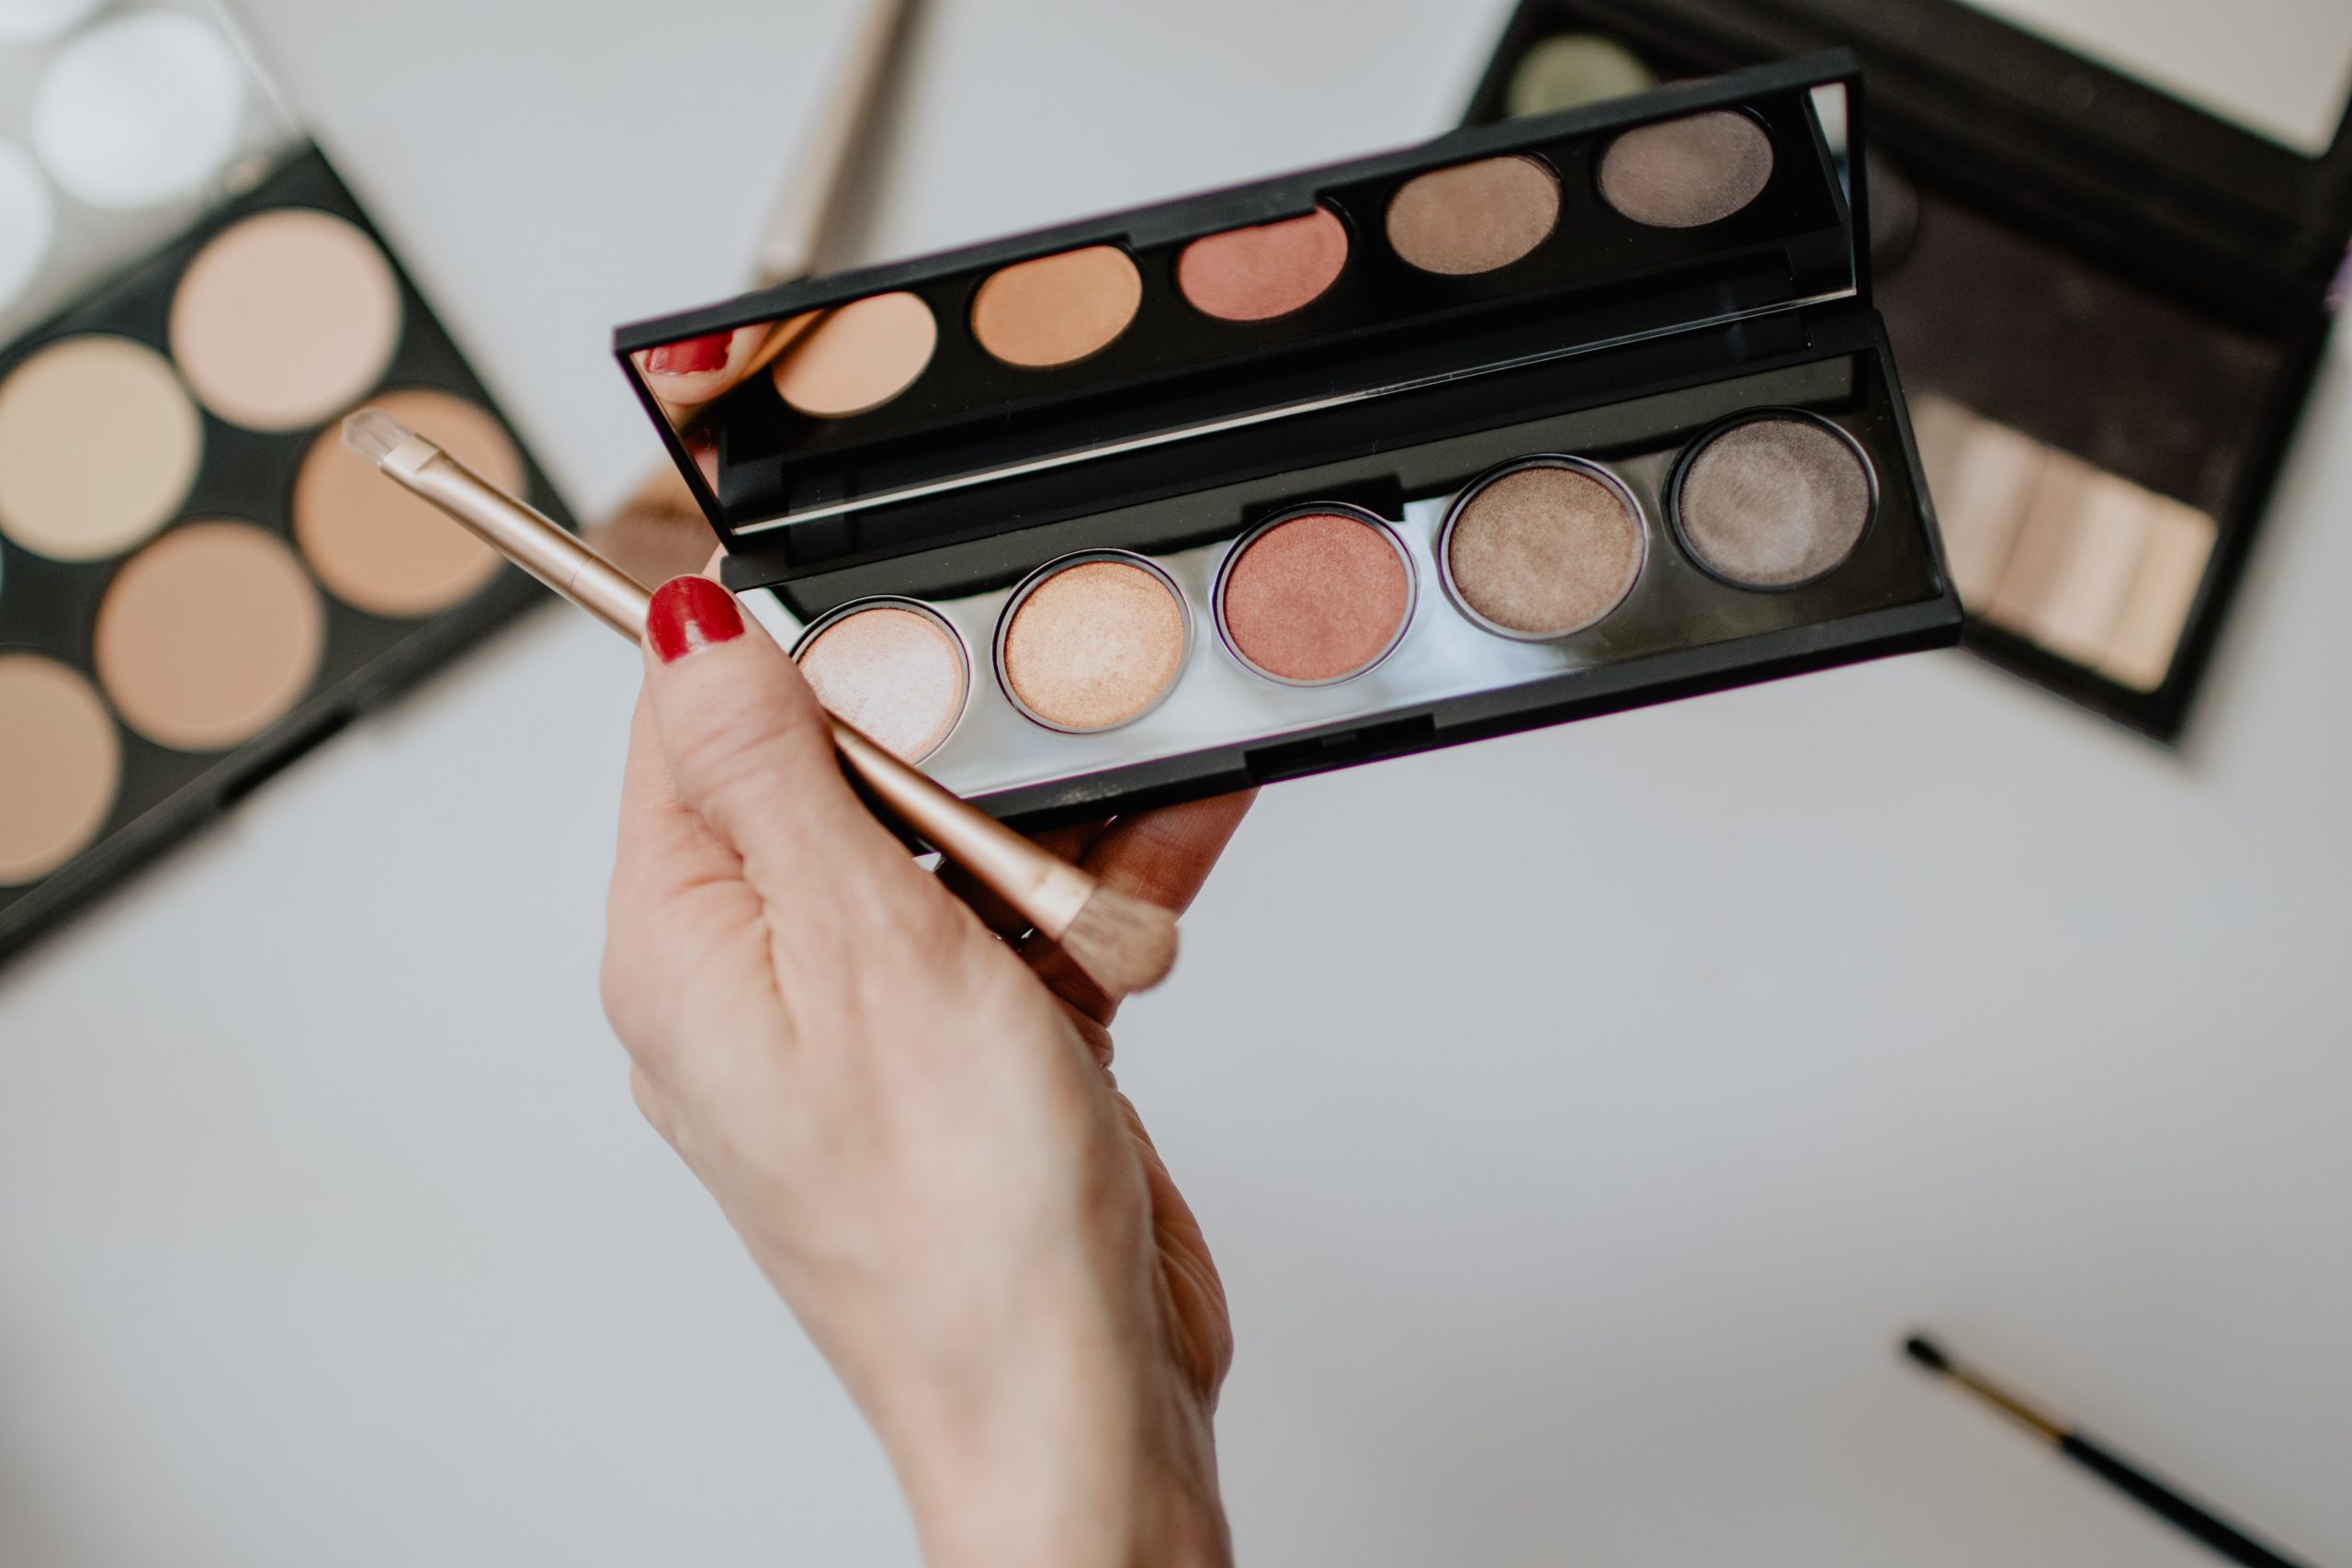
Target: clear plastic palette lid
<point>120,125</point>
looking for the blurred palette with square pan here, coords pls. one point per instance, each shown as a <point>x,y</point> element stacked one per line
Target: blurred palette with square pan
<point>2110,297</point>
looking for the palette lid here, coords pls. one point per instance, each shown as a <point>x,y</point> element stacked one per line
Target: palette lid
<point>2256,211</point>
<point>120,127</point>
<point>962,394</point>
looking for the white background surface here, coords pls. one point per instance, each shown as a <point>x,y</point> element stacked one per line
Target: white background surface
<point>2281,67</point>
<point>1579,1119</point>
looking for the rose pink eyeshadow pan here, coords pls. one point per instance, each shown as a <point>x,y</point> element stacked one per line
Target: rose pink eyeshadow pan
<point>1317,599</point>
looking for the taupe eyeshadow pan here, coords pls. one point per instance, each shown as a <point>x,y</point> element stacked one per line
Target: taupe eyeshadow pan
<point>1687,172</point>
<point>1774,500</point>
<point>1544,548</point>
<point>1475,218</point>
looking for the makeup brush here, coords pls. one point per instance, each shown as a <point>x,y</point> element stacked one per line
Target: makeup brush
<point>660,531</point>
<point>1124,943</point>
<point>2132,1482</point>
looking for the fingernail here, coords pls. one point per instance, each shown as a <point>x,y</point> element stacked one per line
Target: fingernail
<point>690,613</point>
<point>692,356</point>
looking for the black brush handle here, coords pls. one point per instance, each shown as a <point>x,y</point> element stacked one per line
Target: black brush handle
<point>2230,1542</point>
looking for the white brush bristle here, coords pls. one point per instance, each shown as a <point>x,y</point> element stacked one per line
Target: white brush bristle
<point>374,434</point>
<point>1124,944</point>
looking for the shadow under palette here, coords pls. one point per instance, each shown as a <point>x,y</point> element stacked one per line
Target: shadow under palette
<point>1525,425</point>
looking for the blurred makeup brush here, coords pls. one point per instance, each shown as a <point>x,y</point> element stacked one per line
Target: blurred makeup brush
<point>2133,1483</point>
<point>659,532</point>
<point>1124,943</point>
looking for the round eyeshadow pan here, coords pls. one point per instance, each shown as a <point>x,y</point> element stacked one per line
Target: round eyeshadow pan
<point>1685,173</point>
<point>98,445</point>
<point>1057,310</point>
<point>856,357</point>
<point>139,110</point>
<point>1317,596</point>
<point>1773,500</point>
<point>286,318</point>
<point>1092,642</point>
<point>1543,549</point>
<point>28,222</point>
<point>892,670</point>
<point>1266,271</point>
<point>1475,218</point>
<point>208,635</point>
<point>378,548</point>
<point>1572,69</point>
<point>60,763</point>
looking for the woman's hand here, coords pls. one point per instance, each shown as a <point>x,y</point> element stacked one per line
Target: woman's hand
<point>915,1131</point>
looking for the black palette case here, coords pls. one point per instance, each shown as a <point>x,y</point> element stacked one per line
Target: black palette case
<point>1613,344</point>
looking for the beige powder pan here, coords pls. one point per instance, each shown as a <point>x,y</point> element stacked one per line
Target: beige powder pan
<point>380,549</point>
<point>98,445</point>
<point>854,359</point>
<point>286,320</point>
<point>1057,310</point>
<point>61,764</point>
<point>208,635</point>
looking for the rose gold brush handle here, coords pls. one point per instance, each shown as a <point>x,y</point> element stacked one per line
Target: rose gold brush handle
<point>1044,888</point>
<point>1049,891</point>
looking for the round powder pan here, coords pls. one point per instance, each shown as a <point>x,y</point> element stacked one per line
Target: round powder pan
<point>1543,548</point>
<point>1055,310</point>
<point>1092,642</point>
<point>1318,596</point>
<point>1687,172</point>
<point>1773,500</point>
<point>892,668</point>
<point>1265,272</point>
<point>1477,218</point>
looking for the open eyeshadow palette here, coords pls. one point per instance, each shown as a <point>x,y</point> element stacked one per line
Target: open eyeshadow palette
<point>196,583</point>
<point>2108,281</point>
<point>1535,422</point>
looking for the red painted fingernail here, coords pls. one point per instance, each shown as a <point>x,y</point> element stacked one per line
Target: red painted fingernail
<point>690,613</point>
<point>691,358</point>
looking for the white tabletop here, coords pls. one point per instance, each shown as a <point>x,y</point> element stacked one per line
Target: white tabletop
<point>1580,1119</point>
